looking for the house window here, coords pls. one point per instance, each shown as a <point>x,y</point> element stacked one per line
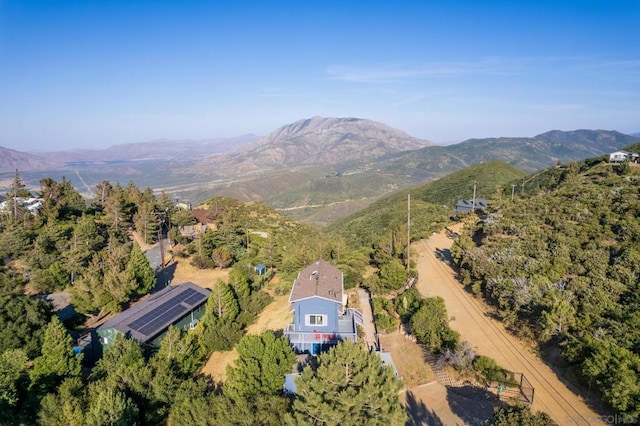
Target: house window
<point>315,320</point>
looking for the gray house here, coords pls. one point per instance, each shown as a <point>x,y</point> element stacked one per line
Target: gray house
<point>148,321</point>
<point>620,156</point>
<point>320,316</point>
<point>466,206</point>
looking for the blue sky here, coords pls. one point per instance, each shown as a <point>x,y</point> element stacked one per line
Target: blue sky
<point>98,73</point>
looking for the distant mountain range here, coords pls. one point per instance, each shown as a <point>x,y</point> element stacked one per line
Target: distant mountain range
<point>10,160</point>
<point>317,169</point>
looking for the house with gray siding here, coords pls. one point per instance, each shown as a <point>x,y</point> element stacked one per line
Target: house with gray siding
<point>321,318</point>
<point>620,156</point>
<point>147,322</point>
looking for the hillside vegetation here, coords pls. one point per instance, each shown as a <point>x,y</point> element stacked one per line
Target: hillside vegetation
<point>561,264</point>
<point>315,170</point>
<point>432,205</point>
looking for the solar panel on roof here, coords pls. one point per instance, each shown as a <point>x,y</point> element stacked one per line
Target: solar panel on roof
<point>163,315</point>
<point>185,295</point>
<point>194,299</point>
<point>157,311</point>
<point>162,320</point>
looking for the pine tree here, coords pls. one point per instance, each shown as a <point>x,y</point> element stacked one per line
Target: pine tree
<point>109,405</point>
<point>146,222</point>
<point>58,360</point>
<point>118,280</point>
<point>102,193</point>
<point>13,369</point>
<point>144,275</point>
<point>349,387</point>
<point>17,191</point>
<point>239,283</point>
<point>115,210</point>
<point>123,369</point>
<point>260,367</point>
<point>222,302</point>
<point>66,406</point>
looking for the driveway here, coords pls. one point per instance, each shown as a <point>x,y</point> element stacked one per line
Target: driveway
<point>489,337</point>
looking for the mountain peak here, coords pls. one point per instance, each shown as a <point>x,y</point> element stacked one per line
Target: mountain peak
<point>328,140</point>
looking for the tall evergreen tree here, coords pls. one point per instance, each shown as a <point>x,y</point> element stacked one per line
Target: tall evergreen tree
<point>13,374</point>
<point>102,193</point>
<point>146,222</point>
<point>240,284</point>
<point>116,214</point>
<point>144,275</point>
<point>123,376</point>
<point>17,191</point>
<point>65,407</point>
<point>22,323</point>
<point>349,387</point>
<point>109,405</point>
<point>58,360</point>
<point>222,302</point>
<point>260,367</point>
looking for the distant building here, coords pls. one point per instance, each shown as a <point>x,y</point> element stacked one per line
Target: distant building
<point>147,322</point>
<point>260,269</point>
<point>192,231</point>
<point>320,316</point>
<point>184,205</point>
<point>466,206</point>
<point>32,204</point>
<point>620,156</point>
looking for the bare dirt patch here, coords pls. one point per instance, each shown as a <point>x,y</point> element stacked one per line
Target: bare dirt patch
<point>206,278</point>
<point>409,359</point>
<point>274,317</point>
<point>216,365</point>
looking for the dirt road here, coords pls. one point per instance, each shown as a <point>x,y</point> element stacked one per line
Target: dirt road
<point>489,337</point>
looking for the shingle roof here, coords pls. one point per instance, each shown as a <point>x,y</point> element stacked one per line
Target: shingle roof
<point>201,215</point>
<point>151,317</point>
<point>320,279</point>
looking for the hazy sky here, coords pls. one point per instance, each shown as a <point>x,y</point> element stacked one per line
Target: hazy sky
<point>98,73</point>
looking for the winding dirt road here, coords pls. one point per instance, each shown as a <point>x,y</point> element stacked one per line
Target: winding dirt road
<point>489,337</point>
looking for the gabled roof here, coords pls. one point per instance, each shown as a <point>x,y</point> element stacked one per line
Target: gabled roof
<point>151,317</point>
<point>467,205</point>
<point>201,215</point>
<point>320,279</point>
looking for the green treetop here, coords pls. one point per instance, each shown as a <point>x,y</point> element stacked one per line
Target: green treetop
<point>349,387</point>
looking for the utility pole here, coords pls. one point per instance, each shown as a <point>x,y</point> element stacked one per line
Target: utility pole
<point>161,243</point>
<point>161,219</point>
<point>522,185</point>
<point>513,190</point>
<point>473,203</point>
<point>408,232</point>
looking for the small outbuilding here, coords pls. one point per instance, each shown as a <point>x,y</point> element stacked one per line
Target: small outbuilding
<point>260,269</point>
<point>147,322</point>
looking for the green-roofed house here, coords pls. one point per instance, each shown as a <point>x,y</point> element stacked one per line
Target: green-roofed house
<point>147,322</point>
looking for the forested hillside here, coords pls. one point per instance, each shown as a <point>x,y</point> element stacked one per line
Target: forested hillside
<point>561,264</point>
<point>432,205</point>
<point>85,247</point>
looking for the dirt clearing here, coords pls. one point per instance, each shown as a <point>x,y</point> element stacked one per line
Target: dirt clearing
<point>274,317</point>
<point>408,357</point>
